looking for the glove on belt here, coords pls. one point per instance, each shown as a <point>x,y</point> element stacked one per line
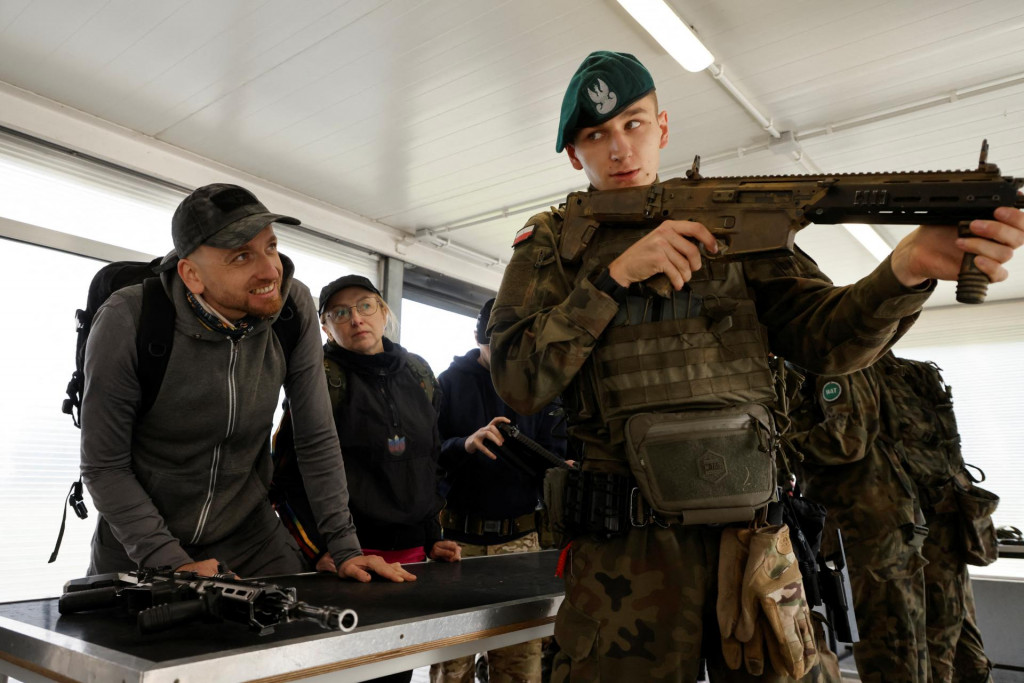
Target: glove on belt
<point>733,555</point>
<point>773,586</point>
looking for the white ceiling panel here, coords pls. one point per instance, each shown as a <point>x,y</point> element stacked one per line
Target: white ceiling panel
<point>440,115</point>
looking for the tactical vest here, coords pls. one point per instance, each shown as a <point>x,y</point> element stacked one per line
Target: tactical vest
<point>703,347</point>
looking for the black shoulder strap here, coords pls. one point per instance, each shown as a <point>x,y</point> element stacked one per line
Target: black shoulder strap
<point>153,340</point>
<point>287,328</point>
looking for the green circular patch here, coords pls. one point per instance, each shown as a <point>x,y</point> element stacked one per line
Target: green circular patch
<point>831,391</point>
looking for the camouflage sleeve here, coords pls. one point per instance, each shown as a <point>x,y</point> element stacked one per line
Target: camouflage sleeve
<point>831,330</point>
<point>543,326</point>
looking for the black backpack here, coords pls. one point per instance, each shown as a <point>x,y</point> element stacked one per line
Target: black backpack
<point>153,341</point>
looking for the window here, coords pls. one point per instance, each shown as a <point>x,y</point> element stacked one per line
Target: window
<point>39,451</point>
<point>436,334</point>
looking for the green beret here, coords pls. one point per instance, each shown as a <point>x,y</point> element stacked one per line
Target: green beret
<point>604,85</point>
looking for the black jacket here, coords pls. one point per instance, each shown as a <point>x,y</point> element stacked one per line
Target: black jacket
<point>390,447</point>
<point>479,485</point>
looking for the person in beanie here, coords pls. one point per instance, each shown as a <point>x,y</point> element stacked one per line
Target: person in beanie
<point>669,392</point>
<point>184,485</point>
<point>491,504</point>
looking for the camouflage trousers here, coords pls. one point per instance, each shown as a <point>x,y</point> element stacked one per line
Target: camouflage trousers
<point>955,649</point>
<point>891,619</point>
<point>642,607</point>
<point>518,663</point>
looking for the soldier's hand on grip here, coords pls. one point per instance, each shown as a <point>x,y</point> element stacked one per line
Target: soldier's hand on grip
<point>671,248</point>
<point>935,251</point>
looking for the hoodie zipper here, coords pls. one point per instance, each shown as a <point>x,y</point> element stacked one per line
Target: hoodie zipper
<point>215,464</point>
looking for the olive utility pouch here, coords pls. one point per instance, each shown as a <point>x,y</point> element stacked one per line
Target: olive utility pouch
<point>979,532</point>
<point>555,530</point>
<point>707,466</point>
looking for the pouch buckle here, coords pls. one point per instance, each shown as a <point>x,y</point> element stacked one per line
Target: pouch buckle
<point>636,502</point>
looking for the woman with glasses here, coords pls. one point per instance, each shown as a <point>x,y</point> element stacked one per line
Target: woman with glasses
<point>385,402</point>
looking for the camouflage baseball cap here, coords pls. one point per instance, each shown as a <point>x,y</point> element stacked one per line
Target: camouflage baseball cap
<point>604,85</point>
<point>220,215</point>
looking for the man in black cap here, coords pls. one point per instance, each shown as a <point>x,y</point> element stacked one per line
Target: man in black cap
<point>670,394</point>
<point>184,484</point>
<point>491,505</point>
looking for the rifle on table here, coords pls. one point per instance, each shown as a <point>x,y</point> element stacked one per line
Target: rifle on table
<point>760,215</point>
<point>526,454</point>
<point>163,598</point>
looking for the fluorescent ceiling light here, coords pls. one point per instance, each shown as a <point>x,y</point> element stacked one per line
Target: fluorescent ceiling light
<point>869,239</point>
<point>668,29</point>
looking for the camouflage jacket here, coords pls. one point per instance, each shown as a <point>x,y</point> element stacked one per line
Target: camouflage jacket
<point>550,319</point>
<point>856,467</point>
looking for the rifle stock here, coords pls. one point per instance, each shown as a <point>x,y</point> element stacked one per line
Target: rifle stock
<point>758,216</point>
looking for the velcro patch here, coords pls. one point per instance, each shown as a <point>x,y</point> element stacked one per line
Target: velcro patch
<point>523,235</point>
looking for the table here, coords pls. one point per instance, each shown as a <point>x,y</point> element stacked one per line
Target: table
<point>452,610</point>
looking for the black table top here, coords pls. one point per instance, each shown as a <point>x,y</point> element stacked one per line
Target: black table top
<point>440,588</point>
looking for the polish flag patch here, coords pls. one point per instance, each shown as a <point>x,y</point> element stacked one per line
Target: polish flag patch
<point>523,235</point>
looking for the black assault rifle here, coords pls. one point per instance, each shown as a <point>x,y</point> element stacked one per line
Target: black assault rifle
<point>525,454</point>
<point>759,215</point>
<point>163,598</point>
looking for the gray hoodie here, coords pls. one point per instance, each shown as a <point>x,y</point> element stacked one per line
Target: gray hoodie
<point>196,465</point>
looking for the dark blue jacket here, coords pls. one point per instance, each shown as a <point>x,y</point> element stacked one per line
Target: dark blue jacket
<point>479,485</point>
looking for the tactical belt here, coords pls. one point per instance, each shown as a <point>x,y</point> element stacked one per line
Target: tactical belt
<point>605,504</point>
<point>476,525</point>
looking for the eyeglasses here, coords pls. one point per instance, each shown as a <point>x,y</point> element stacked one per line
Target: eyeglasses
<point>364,307</point>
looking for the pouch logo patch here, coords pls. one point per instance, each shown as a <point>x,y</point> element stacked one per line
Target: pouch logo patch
<point>604,99</point>
<point>712,467</point>
<point>831,391</point>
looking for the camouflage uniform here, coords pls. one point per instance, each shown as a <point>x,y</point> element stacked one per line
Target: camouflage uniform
<point>519,663</point>
<point>639,605</point>
<point>923,415</point>
<point>850,463</point>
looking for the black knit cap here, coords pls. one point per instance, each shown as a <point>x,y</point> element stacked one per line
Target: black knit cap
<point>602,87</point>
<point>341,283</point>
<point>482,318</point>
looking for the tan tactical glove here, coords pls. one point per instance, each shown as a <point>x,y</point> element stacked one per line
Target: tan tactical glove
<point>772,584</point>
<point>732,562</point>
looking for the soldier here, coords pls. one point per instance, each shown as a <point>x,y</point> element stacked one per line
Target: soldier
<point>853,464</point>
<point>575,320</point>
<point>924,421</point>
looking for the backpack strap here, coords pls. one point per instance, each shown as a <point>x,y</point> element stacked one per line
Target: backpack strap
<point>337,382</point>
<point>422,371</point>
<point>153,340</point>
<point>287,328</point>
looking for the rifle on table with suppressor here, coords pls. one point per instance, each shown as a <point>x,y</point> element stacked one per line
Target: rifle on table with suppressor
<point>758,216</point>
<point>163,598</point>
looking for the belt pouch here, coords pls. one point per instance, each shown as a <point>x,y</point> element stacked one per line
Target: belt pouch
<point>979,533</point>
<point>704,466</point>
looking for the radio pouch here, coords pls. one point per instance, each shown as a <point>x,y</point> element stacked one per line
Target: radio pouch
<point>704,466</point>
